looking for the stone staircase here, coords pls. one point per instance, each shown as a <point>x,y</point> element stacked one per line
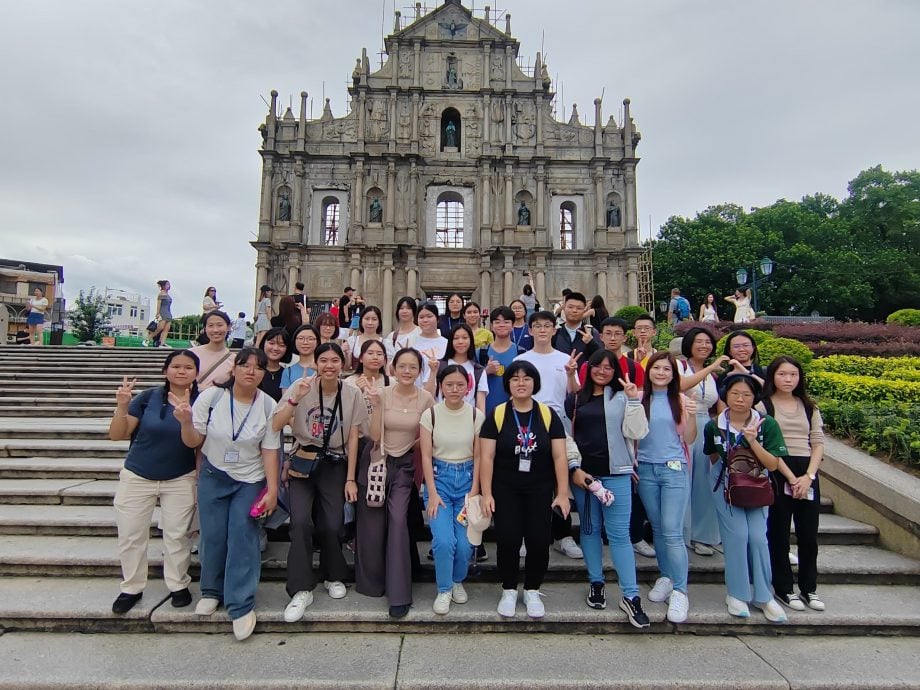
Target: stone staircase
<point>60,571</point>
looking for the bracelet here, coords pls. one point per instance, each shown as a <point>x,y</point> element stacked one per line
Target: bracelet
<point>350,480</point>
<point>292,402</point>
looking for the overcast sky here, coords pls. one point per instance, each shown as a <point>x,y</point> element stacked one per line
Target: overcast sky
<point>128,142</point>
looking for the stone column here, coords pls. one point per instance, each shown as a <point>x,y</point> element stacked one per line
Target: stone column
<point>391,139</point>
<point>508,138</point>
<point>487,66</point>
<point>540,288</point>
<point>387,294</point>
<point>486,119</point>
<point>540,105</point>
<point>415,102</point>
<point>417,47</point>
<point>509,62</point>
<point>632,280</point>
<point>265,212</point>
<point>630,216</point>
<point>600,208</point>
<point>357,212</point>
<point>356,278</point>
<point>540,178</point>
<point>362,114</point>
<point>297,196</point>
<point>411,274</point>
<point>413,203</point>
<point>293,273</point>
<point>508,275</point>
<point>485,284</point>
<point>509,195</point>
<point>390,208</point>
<point>486,185</point>
<point>261,271</point>
<point>600,273</point>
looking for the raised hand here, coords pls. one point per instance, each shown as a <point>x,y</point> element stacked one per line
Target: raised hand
<point>301,387</point>
<point>630,389</point>
<point>372,393</point>
<point>720,362</point>
<point>492,367</point>
<point>690,406</point>
<point>737,367</point>
<point>432,357</point>
<point>125,391</point>
<point>750,431</point>
<point>362,383</point>
<point>572,365</point>
<point>586,336</point>
<point>182,408</point>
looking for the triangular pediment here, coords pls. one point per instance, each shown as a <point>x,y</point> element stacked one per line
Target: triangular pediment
<point>451,22</point>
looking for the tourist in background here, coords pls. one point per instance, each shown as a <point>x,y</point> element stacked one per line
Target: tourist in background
<point>708,311</point>
<point>741,349</point>
<point>796,484</point>
<point>742,302</point>
<point>208,304</point>
<point>664,478</point>
<point>35,321</point>
<point>382,560</point>
<point>449,444</point>
<point>429,342</point>
<point>357,309</point>
<point>232,425</point>
<point>597,312</point>
<point>744,530</point>
<point>523,478</point>
<point>238,331</point>
<point>520,333</point>
<point>330,332</point>
<point>607,420</point>
<point>325,416</point>
<point>216,361</point>
<point>499,355</point>
<point>644,332</point>
<point>159,466</point>
<point>163,311</point>
<point>701,527</point>
<point>482,336</point>
<point>529,300</point>
<point>290,315</point>
<point>264,312</point>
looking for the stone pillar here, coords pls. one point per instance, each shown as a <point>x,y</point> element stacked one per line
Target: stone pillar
<point>487,67</point>
<point>417,72</point>
<point>415,102</point>
<point>600,208</point>
<point>508,111</point>
<point>508,275</point>
<point>600,273</point>
<point>509,195</point>
<point>485,184</point>
<point>540,103</point>
<point>387,294</point>
<point>540,178</point>
<point>390,208</point>
<point>302,122</point>
<point>632,280</point>
<point>293,273</point>
<point>485,283</point>
<point>486,119</point>
<point>391,139</point>
<point>357,212</point>
<point>356,278</point>
<point>362,114</point>
<point>297,197</point>
<point>411,274</point>
<point>261,271</point>
<point>509,62</point>
<point>413,203</point>
<point>631,215</point>
<point>540,288</point>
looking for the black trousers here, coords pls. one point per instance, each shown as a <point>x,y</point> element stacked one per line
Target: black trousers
<point>784,510</point>
<point>522,514</point>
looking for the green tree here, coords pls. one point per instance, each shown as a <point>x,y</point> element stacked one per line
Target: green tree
<point>88,318</point>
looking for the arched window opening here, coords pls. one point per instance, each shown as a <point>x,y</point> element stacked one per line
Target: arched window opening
<point>449,222</point>
<point>567,225</point>
<point>330,221</point>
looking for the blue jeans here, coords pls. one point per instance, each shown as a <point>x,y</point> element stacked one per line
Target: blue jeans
<point>616,524</point>
<point>700,522</point>
<point>744,542</point>
<point>229,547</point>
<point>664,494</point>
<point>452,549</point>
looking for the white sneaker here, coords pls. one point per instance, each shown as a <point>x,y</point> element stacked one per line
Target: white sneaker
<point>508,603</point>
<point>643,548</point>
<point>661,591</point>
<point>441,604</point>
<point>336,589</point>
<point>793,558</point>
<point>458,594</point>
<point>773,611</point>
<point>243,626</point>
<point>206,606</point>
<point>534,601</point>
<point>145,343</point>
<point>523,551</point>
<point>737,608</point>
<point>568,547</point>
<point>298,606</point>
<point>678,606</point>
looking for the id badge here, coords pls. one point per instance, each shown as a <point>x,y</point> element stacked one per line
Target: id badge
<point>524,462</point>
<point>231,457</point>
<point>674,465</point>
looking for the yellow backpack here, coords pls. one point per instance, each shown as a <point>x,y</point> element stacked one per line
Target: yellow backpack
<point>499,415</point>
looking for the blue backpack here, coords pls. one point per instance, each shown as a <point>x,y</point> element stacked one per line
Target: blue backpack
<point>683,308</point>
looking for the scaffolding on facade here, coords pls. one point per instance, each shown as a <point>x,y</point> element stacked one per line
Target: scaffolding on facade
<point>646,281</point>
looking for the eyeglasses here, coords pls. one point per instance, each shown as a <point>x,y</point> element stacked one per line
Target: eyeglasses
<point>455,387</point>
<point>541,325</point>
<point>251,367</point>
<point>305,339</point>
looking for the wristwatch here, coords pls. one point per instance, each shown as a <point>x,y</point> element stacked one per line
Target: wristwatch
<point>812,477</point>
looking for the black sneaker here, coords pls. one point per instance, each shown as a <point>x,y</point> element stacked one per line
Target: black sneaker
<point>125,602</point>
<point>430,554</point>
<point>481,554</point>
<point>633,610</point>
<point>597,598</point>
<point>180,598</point>
<point>400,611</point>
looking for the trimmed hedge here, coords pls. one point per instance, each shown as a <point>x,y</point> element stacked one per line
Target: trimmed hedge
<point>867,366</point>
<point>888,428</point>
<point>862,389</point>
<point>904,317</point>
<point>757,336</point>
<point>836,331</point>
<point>630,313</point>
<point>901,348</point>
<point>771,348</point>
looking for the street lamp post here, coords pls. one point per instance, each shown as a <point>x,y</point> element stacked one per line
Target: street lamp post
<point>741,275</point>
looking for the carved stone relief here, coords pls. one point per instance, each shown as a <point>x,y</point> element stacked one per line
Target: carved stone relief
<point>523,121</point>
<point>427,129</point>
<point>405,119</point>
<point>406,63</point>
<point>472,129</point>
<point>432,70</point>
<point>472,71</point>
<point>498,67</point>
<point>378,127</point>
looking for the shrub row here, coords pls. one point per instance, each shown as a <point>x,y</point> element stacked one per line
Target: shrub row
<point>858,389</point>
<point>881,367</point>
<point>888,428</point>
<point>905,317</point>
<point>836,331</point>
<point>865,349</point>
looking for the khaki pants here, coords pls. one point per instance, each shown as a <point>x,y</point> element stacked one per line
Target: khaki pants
<point>135,500</point>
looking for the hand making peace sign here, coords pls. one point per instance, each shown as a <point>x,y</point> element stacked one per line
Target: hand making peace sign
<point>301,387</point>
<point>629,388</point>
<point>750,431</point>
<point>571,367</point>
<point>125,391</point>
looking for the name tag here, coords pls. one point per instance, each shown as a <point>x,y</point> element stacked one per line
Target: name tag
<point>674,465</point>
<point>231,456</point>
<point>524,462</point>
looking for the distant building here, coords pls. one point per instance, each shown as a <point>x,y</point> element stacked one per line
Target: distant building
<point>128,312</point>
<point>18,280</point>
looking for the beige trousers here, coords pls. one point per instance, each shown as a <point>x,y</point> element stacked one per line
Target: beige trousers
<point>135,500</point>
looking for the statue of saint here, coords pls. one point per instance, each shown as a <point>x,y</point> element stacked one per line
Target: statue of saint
<point>376,212</point>
<point>452,74</point>
<point>613,215</point>
<point>523,214</point>
<point>450,134</point>
<point>284,207</point>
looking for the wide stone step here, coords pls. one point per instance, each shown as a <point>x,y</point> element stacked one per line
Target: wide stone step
<point>74,491</point>
<point>58,410</point>
<point>84,604</point>
<point>78,386</point>
<point>98,556</point>
<point>25,428</point>
<point>62,448</point>
<point>390,661</point>
<point>88,368</point>
<point>64,394</point>
<point>67,467</point>
<point>92,520</point>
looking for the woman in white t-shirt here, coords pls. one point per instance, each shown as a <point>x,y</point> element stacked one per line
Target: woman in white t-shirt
<point>238,477</point>
<point>458,351</point>
<point>370,327</point>
<point>449,444</point>
<point>406,330</point>
<point>35,321</point>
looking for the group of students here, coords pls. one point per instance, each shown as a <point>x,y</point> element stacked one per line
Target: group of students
<point>514,427</point>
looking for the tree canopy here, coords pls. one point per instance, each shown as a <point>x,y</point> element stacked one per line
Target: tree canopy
<point>853,259</point>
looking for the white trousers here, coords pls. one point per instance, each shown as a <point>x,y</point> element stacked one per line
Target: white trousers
<point>135,500</point>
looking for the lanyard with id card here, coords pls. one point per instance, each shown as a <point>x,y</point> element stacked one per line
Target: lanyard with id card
<point>232,456</point>
<point>526,442</point>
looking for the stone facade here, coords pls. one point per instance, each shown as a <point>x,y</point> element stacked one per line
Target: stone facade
<point>450,118</point>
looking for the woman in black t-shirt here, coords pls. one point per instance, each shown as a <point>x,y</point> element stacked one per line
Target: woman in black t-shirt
<point>277,348</point>
<point>524,477</point>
